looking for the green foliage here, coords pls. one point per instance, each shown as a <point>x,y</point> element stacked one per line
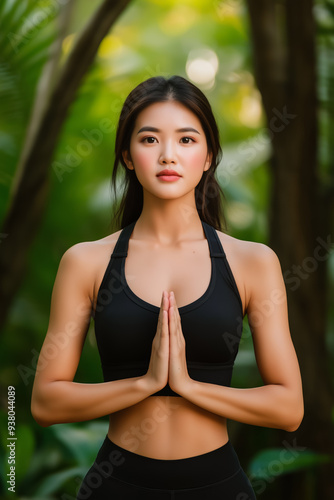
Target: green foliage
<point>274,462</point>
<point>24,47</point>
<point>81,441</point>
<point>80,445</point>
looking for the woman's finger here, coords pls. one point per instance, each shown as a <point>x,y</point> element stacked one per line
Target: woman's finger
<point>177,319</point>
<point>171,313</point>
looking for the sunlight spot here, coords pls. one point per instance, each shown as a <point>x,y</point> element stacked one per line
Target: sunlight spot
<point>228,8</point>
<point>250,113</point>
<point>202,66</point>
<point>240,215</point>
<point>103,195</point>
<point>68,43</point>
<point>178,20</point>
<point>109,45</point>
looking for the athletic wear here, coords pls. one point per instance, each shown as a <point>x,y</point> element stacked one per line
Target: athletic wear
<point>125,325</point>
<point>120,474</point>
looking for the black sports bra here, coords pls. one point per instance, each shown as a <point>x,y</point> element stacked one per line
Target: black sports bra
<point>125,325</point>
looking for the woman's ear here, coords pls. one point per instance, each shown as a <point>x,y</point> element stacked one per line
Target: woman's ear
<point>208,162</point>
<point>127,159</point>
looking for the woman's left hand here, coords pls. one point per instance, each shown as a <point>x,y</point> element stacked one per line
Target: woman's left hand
<point>178,377</point>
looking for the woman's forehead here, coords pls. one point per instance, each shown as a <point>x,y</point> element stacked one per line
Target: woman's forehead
<point>166,115</point>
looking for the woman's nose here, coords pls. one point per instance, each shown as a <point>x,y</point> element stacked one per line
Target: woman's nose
<point>167,155</point>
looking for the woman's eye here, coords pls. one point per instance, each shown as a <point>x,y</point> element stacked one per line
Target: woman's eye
<point>149,140</point>
<point>187,140</point>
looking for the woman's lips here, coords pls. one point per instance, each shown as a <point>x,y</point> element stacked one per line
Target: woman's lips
<point>169,178</point>
<point>168,175</point>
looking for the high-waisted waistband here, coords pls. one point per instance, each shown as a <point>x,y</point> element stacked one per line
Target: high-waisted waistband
<point>199,470</point>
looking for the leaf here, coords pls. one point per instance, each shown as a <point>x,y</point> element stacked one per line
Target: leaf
<point>25,447</point>
<point>82,442</point>
<point>53,482</point>
<point>279,461</point>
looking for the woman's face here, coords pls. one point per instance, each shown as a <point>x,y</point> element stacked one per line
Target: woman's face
<point>167,135</point>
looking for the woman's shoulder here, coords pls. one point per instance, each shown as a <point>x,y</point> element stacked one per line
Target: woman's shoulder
<point>88,255</point>
<point>86,261</point>
<point>252,264</point>
<point>87,248</point>
<point>248,252</point>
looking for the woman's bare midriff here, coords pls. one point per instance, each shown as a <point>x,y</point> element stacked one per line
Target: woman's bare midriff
<point>168,428</point>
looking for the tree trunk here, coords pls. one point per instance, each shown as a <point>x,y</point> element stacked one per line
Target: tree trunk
<point>31,184</point>
<point>285,69</point>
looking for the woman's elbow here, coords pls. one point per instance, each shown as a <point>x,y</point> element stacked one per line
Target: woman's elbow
<point>40,414</point>
<point>295,422</point>
<point>293,417</point>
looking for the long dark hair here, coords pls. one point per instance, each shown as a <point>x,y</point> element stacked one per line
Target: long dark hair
<point>208,193</point>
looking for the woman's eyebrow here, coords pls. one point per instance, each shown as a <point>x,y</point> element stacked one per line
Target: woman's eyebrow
<point>154,129</point>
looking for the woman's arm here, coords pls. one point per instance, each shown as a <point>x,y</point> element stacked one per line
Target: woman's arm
<point>55,397</point>
<point>279,403</point>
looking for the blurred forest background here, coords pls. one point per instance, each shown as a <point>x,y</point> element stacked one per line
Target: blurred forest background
<point>267,67</point>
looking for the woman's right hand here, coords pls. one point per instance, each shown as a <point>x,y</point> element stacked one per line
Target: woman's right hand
<point>157,373</point>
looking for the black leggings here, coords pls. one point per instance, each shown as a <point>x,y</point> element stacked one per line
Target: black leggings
<point>119,474</point>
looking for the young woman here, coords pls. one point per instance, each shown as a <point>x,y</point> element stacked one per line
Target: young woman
<point>168,293</point>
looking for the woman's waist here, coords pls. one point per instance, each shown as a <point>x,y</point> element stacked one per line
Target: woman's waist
<point>195,471</point>
<point>167,427</point>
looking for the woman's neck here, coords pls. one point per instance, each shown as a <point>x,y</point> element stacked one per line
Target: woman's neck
<point>168,224</point>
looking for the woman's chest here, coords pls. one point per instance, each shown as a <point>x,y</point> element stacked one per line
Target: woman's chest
<point>185,270</point>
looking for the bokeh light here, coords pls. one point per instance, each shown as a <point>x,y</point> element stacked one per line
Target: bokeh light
<point>202,66</point>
